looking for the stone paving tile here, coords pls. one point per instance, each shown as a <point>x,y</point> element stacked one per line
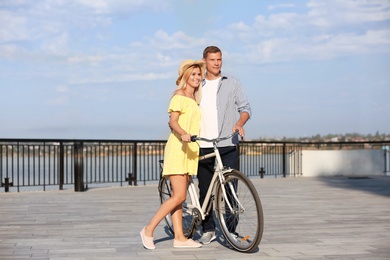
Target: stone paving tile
<point>305,218</point>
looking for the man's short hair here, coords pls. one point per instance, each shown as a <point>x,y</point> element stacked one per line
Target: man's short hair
<point>210,49</point>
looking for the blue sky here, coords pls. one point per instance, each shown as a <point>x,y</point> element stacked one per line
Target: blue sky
<point>106,69</point>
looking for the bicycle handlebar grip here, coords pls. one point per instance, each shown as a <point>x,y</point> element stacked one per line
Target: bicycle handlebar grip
<point>193,138</point>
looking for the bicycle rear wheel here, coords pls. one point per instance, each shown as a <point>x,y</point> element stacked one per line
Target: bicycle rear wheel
<point>243,225</point>
<point>189,227</point>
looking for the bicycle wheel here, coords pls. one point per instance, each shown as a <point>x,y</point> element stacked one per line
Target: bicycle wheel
<point>189,227</point>
<point>243,225</point>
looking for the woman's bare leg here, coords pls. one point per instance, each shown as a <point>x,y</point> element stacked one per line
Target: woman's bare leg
<point>179,191</point>
<point>177,212</point>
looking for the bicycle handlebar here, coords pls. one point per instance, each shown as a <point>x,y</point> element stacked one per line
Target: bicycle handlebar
<point>195,138</point>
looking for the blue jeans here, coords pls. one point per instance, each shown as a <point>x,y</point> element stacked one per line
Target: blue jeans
<point>229,157</point>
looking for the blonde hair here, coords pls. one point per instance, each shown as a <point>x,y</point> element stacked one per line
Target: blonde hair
<point>181,81</point>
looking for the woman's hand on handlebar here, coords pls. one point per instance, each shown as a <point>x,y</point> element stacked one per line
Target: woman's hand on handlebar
<point>186,138</point>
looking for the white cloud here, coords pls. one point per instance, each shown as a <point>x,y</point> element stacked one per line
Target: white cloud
<point>99,6</point>
<point>119,6</point>
<point>284,20</point>
<point>163,58</point>
<point>64,30</point>
<point>240,26</point>
<point>379,37</point>
<point>337,13</point>
<point>89,59</point>
<point>62,89</point>
<point>51,24</point>
<point>329,29</point>
<point>118,78</point>
<point>178,40</point>
<point>57,45</point>
<point>13,27</point>
<point>273,7</point>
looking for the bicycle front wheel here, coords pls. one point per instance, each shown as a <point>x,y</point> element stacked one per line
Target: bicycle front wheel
<point>189,227</point>
<point>240,215</point>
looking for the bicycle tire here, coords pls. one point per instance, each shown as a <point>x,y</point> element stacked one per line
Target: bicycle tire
<point>189,227</point>
<point>242,229</point>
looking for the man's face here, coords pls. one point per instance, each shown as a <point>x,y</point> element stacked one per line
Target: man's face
<point>213,63</point>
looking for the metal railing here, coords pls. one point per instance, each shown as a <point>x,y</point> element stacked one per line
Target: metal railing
<point>28,163</point>
<point>81,163</point>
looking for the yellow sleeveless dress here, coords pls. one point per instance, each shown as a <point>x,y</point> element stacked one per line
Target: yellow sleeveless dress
<point>181,157</point>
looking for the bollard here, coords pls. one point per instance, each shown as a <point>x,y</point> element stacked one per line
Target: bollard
<point>6,184</point>
<point>131,179</point>
<point>261,172</point>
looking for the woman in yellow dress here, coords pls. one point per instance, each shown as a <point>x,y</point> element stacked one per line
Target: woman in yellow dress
<point>180,155</point>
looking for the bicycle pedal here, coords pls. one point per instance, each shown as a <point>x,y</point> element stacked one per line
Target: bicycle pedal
<point>246,238</point>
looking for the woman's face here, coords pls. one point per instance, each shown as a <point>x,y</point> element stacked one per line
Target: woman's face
<point>195,78</point>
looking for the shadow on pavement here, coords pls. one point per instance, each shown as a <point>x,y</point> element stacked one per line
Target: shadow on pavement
<point>379,185</point>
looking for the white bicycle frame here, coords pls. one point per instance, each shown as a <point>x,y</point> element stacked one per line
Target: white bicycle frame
<point>218,173</point>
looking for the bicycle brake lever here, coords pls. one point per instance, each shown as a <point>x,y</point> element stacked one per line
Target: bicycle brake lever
<point>193,138</point>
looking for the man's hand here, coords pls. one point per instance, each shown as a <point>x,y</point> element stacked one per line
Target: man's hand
<point>240,129</point>
<point>244,116</point>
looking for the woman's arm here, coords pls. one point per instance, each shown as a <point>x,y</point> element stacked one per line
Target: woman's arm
<point>174,124</point>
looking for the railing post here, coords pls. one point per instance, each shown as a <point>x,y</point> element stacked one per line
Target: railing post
<point>284,159</point>
<point>78,167</point>
<point>135,163</point>
<point>61,166</point>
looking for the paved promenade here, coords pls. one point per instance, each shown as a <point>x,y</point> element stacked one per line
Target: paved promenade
<point>305,218</point>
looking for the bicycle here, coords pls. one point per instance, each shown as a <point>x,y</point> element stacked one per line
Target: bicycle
<point>232,196</point>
